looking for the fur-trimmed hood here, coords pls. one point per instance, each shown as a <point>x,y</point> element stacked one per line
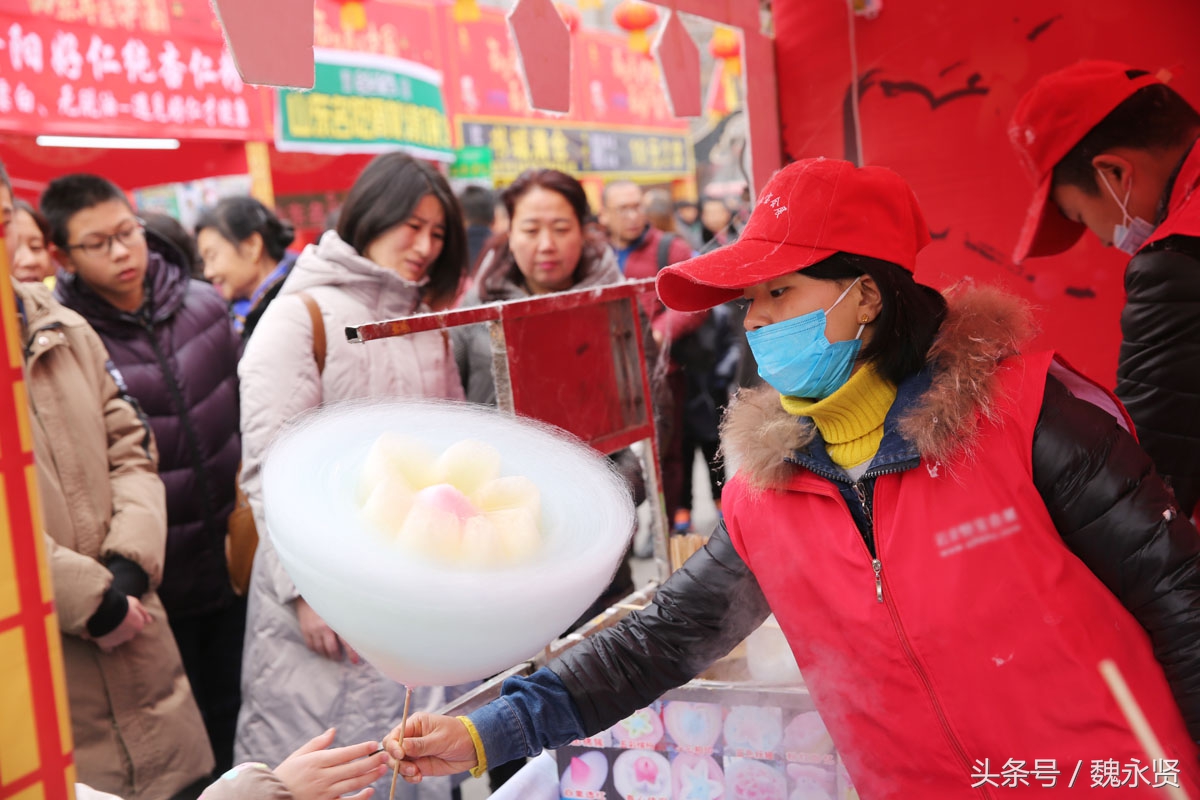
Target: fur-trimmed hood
<point>983,326</point>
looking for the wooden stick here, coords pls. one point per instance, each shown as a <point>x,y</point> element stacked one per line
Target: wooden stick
<point>400,741</point>
<point>628,607</point>
<point>1137,720</point>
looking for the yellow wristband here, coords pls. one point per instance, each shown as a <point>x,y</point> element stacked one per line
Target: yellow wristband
<point>480,756</point>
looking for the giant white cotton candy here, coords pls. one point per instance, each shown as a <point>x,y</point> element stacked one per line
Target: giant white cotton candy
<point>388,502</point>
<point>508,492</point>
<point>423,621</point>
<point>467,465</point>
<point>399,456</point>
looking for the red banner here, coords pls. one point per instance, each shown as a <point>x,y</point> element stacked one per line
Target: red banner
<point>610,85</point>
<point>615,86</point>
<point>396,29</point>
<point>122,68</point>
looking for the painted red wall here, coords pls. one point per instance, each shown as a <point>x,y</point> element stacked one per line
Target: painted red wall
<point>939,80</point>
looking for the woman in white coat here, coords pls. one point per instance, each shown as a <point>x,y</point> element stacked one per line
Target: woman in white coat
<point>399,248</point>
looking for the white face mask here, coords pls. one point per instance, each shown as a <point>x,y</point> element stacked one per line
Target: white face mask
<point>1132,233</point>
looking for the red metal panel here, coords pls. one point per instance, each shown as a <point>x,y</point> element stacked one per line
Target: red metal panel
<point>544,44</point>
<point>573,359</point>
<point>679,59</point>
<point>289,59</point>
<point>516,308</point>
<point>762,107</point>
<point>739,13</point>
<point>571,368</point>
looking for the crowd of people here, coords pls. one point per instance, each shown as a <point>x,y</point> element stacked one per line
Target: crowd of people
<point>874,415</point>
<point>194,349</point>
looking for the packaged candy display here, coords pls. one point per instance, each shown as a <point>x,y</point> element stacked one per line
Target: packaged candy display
<point>584,776</point>
<point>642,775</point>
<point>711,740</point>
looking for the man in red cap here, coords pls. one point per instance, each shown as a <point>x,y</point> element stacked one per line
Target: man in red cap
<point>949,538</point>
<point>1111,149</point>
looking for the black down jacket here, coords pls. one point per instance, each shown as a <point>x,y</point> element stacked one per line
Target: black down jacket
<point>1158,375</point>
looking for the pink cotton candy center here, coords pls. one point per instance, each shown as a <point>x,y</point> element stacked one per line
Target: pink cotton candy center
<point>444,497</point>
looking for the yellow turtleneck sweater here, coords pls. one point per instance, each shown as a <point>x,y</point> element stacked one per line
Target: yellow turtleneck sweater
<point>851,419</point>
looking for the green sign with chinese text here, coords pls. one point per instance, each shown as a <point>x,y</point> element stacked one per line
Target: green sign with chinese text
<point>472,163</point>
<point>363,103</point>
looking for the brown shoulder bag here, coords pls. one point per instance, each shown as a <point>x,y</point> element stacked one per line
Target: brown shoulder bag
<point>242,538</point>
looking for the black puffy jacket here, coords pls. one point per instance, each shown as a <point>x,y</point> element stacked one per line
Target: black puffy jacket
<point>178,359</point>
<point>1158,375</point>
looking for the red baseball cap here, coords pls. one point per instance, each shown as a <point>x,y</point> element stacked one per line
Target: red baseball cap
<point>808,211</point>
<point>1050,119</point>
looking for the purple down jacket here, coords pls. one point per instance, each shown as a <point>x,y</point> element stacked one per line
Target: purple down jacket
<point>178,358</point>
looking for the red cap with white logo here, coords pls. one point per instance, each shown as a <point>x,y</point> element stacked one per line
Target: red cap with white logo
<point>808,211</point>
<point>1052,118</point>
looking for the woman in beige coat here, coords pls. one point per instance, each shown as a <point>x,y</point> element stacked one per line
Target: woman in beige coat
<point>399,247</point>
<point>137,730</point>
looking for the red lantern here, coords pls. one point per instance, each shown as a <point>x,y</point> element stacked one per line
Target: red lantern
<point>570,16</point>
<point>353,16</point>
<point>636,17</point>
<point>727,46</point>
<point>466,11</point>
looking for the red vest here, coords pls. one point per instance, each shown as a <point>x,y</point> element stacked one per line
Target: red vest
<point>987,639</point>
<point>1183,208</point>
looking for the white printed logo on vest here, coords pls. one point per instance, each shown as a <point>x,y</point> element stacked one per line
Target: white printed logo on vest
<point>972,533</point>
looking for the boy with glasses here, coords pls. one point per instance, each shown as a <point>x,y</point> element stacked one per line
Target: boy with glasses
<point>172,340</point>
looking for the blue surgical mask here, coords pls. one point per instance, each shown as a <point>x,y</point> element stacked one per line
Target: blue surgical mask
<point>795,357</point>
<point>1132,233</point>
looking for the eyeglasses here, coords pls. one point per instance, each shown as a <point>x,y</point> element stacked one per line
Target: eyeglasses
<point>100,245</point>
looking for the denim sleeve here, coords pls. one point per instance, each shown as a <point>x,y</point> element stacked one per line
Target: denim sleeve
<point>530,715</point>
<point>700,614</point>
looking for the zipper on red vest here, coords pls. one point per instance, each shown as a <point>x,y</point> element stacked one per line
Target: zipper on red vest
<point>868,536</point>
<point>955,744</point>
<point>877,567</point>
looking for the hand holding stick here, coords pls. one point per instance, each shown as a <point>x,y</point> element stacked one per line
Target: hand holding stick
<point>432,745</point>
<point>400,737</point>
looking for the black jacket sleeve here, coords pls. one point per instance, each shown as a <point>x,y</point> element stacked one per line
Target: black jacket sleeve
<point>113,608</point>
<point>128,577</point>
<point>1115,513</point>
<point>701,613</point>
<point>1158,374</point>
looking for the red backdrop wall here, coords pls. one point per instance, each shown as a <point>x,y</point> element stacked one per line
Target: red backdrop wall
<point>938,83</point>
